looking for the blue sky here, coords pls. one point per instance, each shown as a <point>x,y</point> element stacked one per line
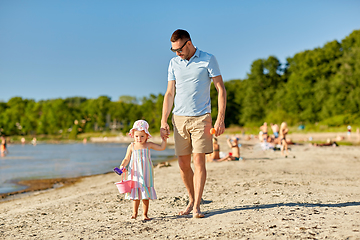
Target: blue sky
<point>60,48</point>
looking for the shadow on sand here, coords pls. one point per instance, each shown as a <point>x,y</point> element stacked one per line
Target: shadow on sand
<point>266,206</point>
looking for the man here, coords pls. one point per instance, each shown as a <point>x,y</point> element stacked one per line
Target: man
<point>189,76</point>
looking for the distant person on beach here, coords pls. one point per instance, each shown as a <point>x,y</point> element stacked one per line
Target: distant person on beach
<point>275,130</point>
<point>4,149</point>
<point>261,134</point>
<point>234,155</point>
<point>140,168</point>
<point>189,80</point>
<point>33,141</point>
<point>215,155</point>
<point>339,138</point>
<point>264,129</point>
<point>349,132</point>
<point>327,144</point>
<point>282,135</point>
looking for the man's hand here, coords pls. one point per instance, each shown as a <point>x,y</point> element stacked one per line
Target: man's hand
<point>164,131</point>
<point>219,128</point>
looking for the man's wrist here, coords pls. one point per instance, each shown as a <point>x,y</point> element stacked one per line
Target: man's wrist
<point>220,121</point>
<point>163,124</point>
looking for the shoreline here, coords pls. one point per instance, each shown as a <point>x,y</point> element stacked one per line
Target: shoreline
<point>39,185</point>
<point>26,185</point>
<point>295,136</point>
<point>36,185</point>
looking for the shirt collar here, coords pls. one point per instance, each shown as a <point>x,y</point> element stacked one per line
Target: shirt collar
<point>196,54</point>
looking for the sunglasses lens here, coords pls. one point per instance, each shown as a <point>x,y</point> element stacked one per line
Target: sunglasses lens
<point>176,50</point>
<point>179,50</point>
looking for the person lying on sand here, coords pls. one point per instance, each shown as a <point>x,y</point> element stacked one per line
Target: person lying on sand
<point>327,144</point>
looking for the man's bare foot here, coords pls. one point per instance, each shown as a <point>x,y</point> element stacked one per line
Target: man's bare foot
<point>187,211</point>
<point>198,215</point>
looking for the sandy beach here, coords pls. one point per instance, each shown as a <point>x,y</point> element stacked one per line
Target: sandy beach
<point>312,194</point>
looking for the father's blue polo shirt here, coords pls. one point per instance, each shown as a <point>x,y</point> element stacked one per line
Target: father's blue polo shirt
<point>192,82</point>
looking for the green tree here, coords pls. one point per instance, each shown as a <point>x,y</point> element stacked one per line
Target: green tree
<point>55,116</point>
<point>12,115</point>
<point>29,120</point>
<point>101,107</point>
<point>151,110</point>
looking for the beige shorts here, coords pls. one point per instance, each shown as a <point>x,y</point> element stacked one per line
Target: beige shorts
<point>192,134</point>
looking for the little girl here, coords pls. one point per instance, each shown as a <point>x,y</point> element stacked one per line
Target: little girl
<point>140,167</point>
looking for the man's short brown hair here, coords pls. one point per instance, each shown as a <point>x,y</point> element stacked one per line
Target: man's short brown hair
<point>180,34</point>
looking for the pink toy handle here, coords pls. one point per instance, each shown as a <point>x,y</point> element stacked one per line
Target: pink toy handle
<point>119,171</point>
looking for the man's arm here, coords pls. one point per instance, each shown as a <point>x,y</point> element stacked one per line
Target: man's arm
<point>167,106</point>
<point>220,120</point>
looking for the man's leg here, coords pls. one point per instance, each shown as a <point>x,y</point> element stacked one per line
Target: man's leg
<point>199,181</point>
<point>187,176</point>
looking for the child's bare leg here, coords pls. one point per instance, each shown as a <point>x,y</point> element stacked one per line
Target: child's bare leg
<point>136,204</point>
<point>146,203</point>
<point>282,147</point>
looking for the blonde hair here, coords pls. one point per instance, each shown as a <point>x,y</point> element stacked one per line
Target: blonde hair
<point>283,126</point>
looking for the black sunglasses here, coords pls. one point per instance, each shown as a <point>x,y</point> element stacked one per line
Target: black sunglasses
<point>179,50</point>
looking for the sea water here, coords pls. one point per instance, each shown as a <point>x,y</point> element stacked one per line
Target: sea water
<point>45,161</point>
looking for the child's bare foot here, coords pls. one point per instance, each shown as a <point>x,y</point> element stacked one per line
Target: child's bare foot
<point>133,216</point>
<point>187,210</point>
<point>146,218</point>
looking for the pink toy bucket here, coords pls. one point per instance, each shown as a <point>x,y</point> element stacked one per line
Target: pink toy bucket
<point>124,186</point>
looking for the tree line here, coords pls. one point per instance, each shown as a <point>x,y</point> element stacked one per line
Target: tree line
<point>319,85</point>
<point>314,86</point>
<point>77,115</point>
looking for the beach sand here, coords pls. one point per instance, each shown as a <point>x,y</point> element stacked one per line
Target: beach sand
<point>312,194</point>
